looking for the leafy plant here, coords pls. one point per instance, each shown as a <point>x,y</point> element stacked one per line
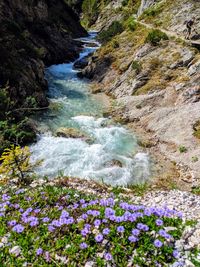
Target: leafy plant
<point>132,24</point>
<point>136,66</point>
<point>90,11</point>
<point>182,149</point>
<point>16,163</point>
<point>196,128</point>
<point>56,226</point>
<point>115,28</point>
<point>155,36</point>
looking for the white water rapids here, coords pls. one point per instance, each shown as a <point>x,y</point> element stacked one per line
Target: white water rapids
<point>73,106</point>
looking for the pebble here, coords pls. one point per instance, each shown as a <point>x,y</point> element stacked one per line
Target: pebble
<point>16,250</point>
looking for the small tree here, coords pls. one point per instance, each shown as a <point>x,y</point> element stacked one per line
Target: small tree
<point>16,163</point>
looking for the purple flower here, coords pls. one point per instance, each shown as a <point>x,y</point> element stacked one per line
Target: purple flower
<point>51,228</point>
<point>106,231</point>
<point>83,245</point>
<point>132,239</point>
<point>64,214</point>
<point>107,256</point>
<point>34,223</point>
<point>143,227</point>
<point>82,201</point>
<point>5,197</point>
<point>19,191</point>
<point>109,212</point>
<point>84,216</point>
<point>97,223</point>
<point>39,251</point>
<point>159,222</point>
<point>12,223</point>
<point>120,229</point>
<point>176,254</point>
<point>99,238</point>
<point>45,219</point>
<point>84,232</point>
<point>158,243</point>
<point>29,210</point>
<point>18,228</point>
<point>16,206</point>
<point>162,233</point>
<point>135,232</point>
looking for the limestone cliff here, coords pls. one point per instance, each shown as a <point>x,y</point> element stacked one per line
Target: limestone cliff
<point>153,72</point>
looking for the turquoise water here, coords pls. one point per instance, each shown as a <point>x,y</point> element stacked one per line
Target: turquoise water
<point>73,106</point>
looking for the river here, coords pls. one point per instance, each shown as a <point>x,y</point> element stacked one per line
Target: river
<point>109,154</point>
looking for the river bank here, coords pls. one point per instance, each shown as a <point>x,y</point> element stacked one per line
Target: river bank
<point>155,87</point>
<point>75,137</point>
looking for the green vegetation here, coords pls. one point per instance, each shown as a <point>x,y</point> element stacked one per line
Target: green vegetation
<point>115,28</point>
<point>155,36</point>
<point>182,149</point>
<point>196,190</point>
<point>14,126</point>
<point>16,164</point>
<point>195,159</point>
<point>136,65</point>
<point>132,25</point>
<point>90,11</point>
<point>196,128</point>
<point>56,226</point>
<point>152,11</point>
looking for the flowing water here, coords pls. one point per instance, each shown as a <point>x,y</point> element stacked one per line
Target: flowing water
<point>109,152</point>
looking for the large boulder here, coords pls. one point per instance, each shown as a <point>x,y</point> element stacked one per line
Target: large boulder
<point>73,133</point>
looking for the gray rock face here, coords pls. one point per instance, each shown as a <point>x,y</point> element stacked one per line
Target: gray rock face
<point>144,5</point>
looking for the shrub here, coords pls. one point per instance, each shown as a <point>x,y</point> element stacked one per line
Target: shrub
<point>16,164</point>
<point>125,2</point>
<point>136,66</point>
<point>182,149</point>
<point>115,44</point>
<point>132,24</point>
<point>115,28</point>
<point>155,36</point>
<point>90,11</point>
<point>196,128</point>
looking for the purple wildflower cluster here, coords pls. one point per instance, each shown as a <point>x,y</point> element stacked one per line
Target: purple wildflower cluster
<point>103,222</point>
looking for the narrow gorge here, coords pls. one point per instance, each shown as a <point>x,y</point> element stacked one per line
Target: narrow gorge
<point>100,133</point>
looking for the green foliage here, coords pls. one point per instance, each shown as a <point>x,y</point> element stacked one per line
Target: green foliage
<point>64,240</point>
<point>125,2</point>
<point>152,11</point>
<point>132,26</point>
<point>5,102</point>
<point>155,36</point>
<point>196,190</point>
<point>115,28</point>
<point>90,11</point>
<point>196,128</point>
<point>16,164</point>
<point>12,130</point>
<point>139,189</point>
<point>195,159</point>
<point>182,149</point>
<point>136,66</point>
<point>115,44</point>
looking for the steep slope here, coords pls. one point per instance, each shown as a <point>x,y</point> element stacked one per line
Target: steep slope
<point>155,79</point>
<point>33,34</point>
